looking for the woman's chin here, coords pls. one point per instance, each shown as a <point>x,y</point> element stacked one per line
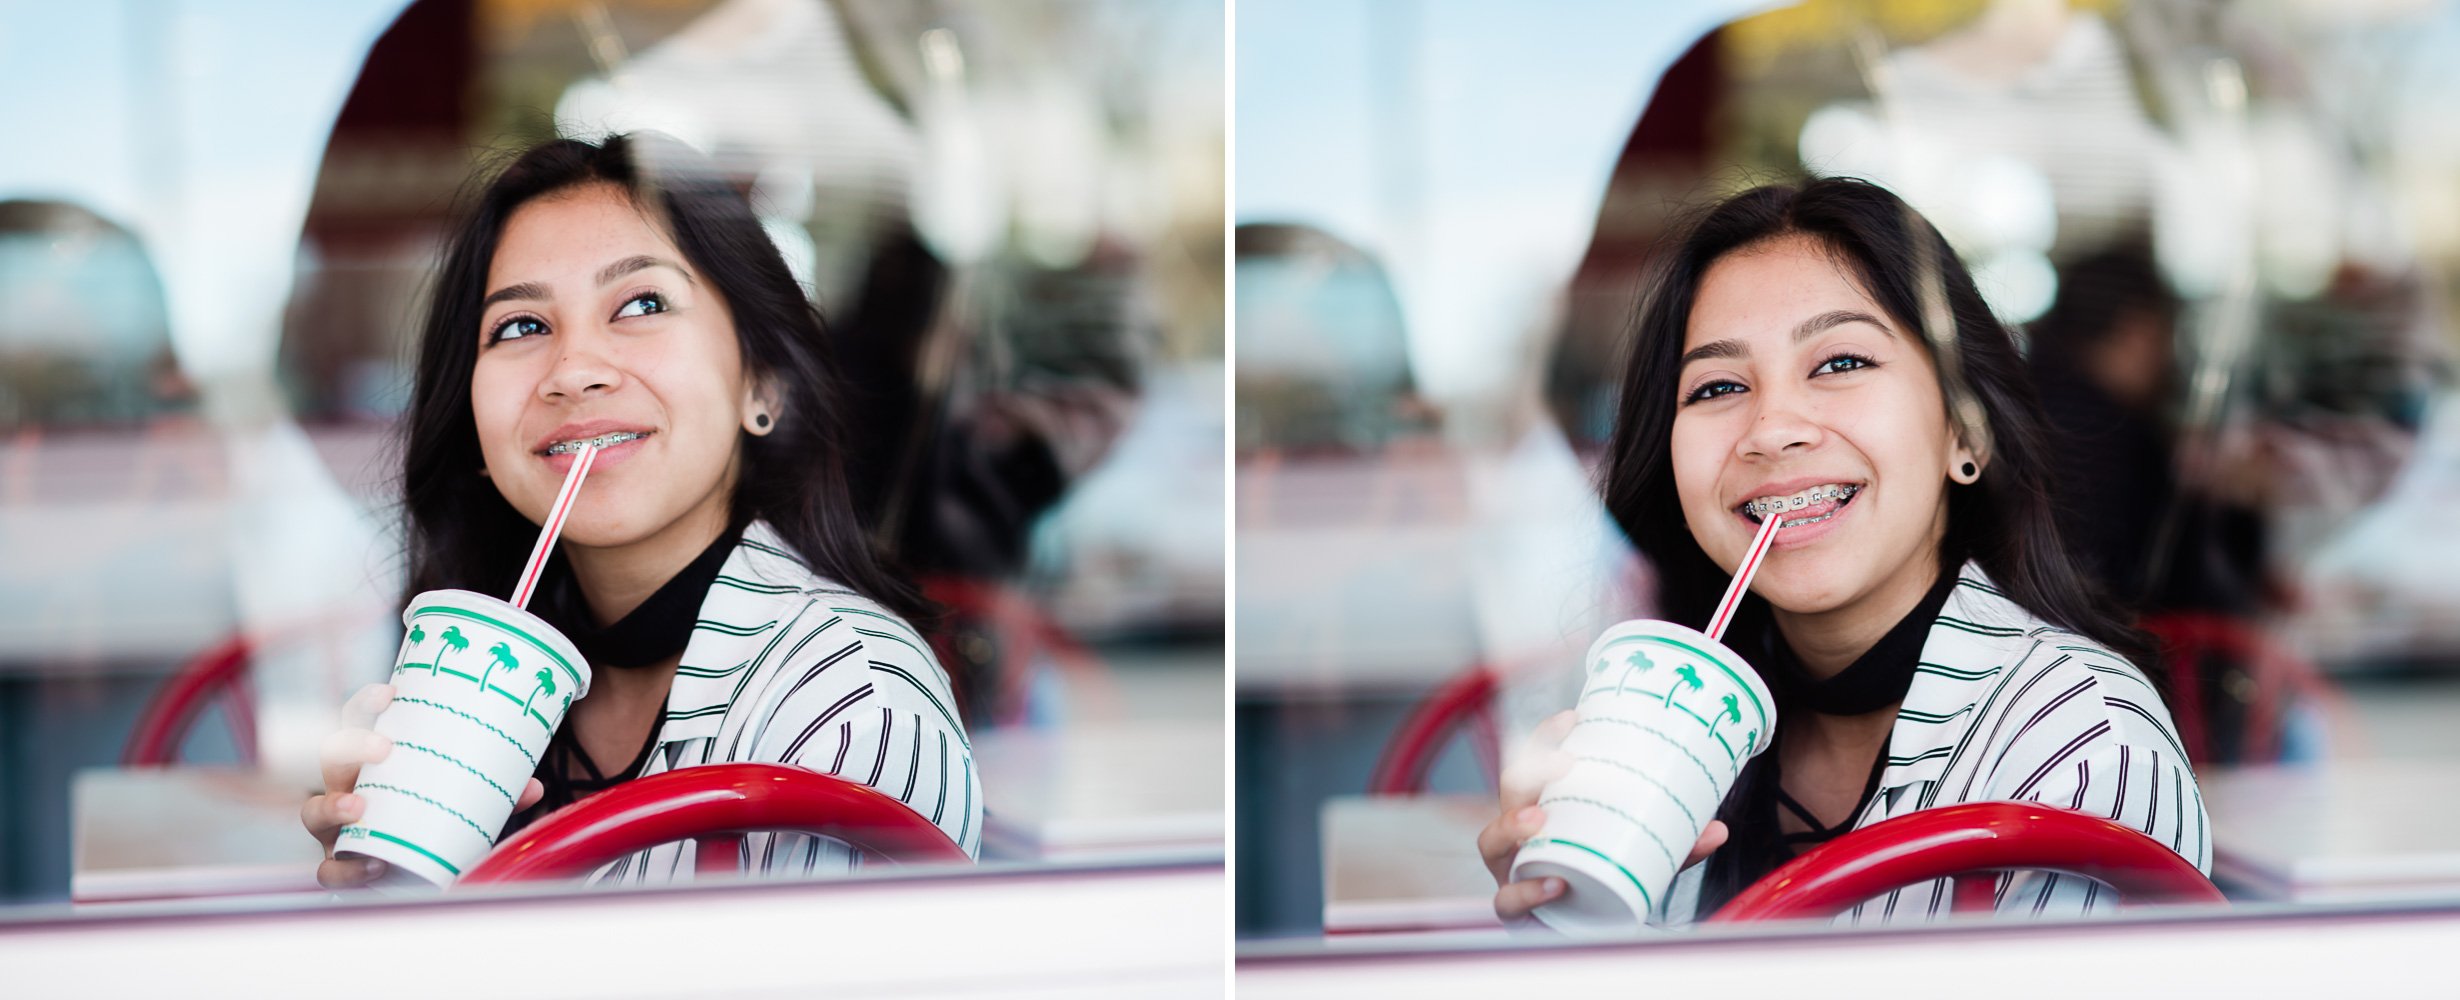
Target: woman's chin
<point>602,531</point>
<point>1803,586</point>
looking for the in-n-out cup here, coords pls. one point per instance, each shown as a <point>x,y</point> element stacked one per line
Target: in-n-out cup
<point>479,687</point>
<point>1668,717</point>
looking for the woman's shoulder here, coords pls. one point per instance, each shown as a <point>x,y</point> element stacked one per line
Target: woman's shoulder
<point>2042,694</point>
<point>880,638</point>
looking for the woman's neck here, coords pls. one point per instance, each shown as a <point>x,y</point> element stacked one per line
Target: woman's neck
<point>615,580</point>
<point>1827,642</point>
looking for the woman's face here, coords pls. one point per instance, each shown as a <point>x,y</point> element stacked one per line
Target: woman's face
<point>595,327</point>
<point>1798,391</point>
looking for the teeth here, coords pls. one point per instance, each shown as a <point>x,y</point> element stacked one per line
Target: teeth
<point>602,441</point>
<point>1817,494</point>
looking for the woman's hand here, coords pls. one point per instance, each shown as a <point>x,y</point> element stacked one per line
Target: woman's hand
<point>351,747</point>
<point>1539,763</point>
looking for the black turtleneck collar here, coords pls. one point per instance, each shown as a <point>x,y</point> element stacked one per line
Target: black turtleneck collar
<point>656,631</point>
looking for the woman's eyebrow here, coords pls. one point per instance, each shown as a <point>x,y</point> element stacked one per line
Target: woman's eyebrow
<point>529,291</point>
<point>1835,318</point>
<point>1727,348</point>
<point>638,262</point>
<point>1733,348</point>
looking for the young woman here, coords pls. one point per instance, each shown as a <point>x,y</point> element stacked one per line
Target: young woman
<point>712,571</point>
<point>1928,638</point>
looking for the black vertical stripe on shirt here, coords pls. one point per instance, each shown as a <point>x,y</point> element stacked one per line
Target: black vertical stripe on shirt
<point>913,765</point>
<point>942,804</point>
<point>2119,808</point>
<point>845,741</point>
<point>967,825</point>
<point>2178,794</point>
<point>2152,780</point>
<point>879,765</point>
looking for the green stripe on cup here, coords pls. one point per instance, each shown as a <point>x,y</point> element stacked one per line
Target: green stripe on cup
<point>1705,656</point>
<point>439,609</point>
<point>431,855</point>
<point>1647,904</point>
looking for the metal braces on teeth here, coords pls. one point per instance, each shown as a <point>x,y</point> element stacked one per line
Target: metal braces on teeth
<point>602,441</point>
<point>1801,500</point>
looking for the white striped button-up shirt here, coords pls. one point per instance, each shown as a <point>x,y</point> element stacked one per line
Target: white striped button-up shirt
<point>785,666</point>
<point>2006,708</point>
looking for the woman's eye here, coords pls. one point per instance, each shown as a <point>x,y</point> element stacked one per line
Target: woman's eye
<point>1713,390</point>
<point>643,304</point>
<point>515,328</point>
<point>1842,363</point>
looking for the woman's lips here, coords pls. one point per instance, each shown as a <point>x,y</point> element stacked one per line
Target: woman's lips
<point>607,456</point>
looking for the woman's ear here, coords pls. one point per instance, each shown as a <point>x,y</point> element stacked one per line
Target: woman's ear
<point>1965,465</point>
<point>761,402</point>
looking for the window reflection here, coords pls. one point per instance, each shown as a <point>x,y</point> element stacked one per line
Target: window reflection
<point>2191,221</point>
<point>1010,218</point>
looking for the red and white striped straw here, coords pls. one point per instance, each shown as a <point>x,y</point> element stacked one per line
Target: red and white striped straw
<point>554,525</point>
<point>1742,577</point>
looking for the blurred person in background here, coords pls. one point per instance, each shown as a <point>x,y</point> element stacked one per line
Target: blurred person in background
<point>1927,634</point>
<point>622,293</point>
<point>2105,361</point>
<point>1324,362</point>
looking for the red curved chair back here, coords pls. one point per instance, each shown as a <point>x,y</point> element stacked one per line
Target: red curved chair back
<point>2279,675</point>
<point>714,805</point>
<point>221,671</point>
<point>1466,701</point>
<point>1971,843</point>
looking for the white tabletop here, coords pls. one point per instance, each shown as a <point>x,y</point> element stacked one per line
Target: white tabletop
<point>1406,863</point>
<point>2367,830</point>
<point>180,832</point>
<point>1109,790</point>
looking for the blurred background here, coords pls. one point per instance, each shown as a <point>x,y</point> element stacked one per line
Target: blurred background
<point>216,226</point>
<point>2228,234</point>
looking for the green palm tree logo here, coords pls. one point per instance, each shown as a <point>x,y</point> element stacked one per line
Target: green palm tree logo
<point>1732,713</point>
<point>499,655</point>
<point>453,640</point>
<point>546,684</point>
<point>1637,663</point>
<point>419,635</point>
<point>1688,677</point>
<point>1751,741</point>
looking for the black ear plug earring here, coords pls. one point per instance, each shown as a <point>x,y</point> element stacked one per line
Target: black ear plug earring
<point>1970,471</point>
<point>763,422</point>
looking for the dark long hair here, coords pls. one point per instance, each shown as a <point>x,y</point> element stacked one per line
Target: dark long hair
<point>464,534</point>
<point>2004,522</point>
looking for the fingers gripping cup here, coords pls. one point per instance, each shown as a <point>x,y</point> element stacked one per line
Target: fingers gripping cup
<point>1668,717</point>
<point>480,686</point>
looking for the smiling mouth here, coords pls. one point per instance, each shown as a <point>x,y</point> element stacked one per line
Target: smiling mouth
<point>602,441</point>
<point>1810,506</point>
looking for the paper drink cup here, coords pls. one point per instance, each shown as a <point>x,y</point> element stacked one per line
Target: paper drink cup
<point>480,686</point>
<point>1668,717</point>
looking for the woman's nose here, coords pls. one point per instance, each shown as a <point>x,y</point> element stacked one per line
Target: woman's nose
<point>1781,421</point>
<point>584,365</point>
